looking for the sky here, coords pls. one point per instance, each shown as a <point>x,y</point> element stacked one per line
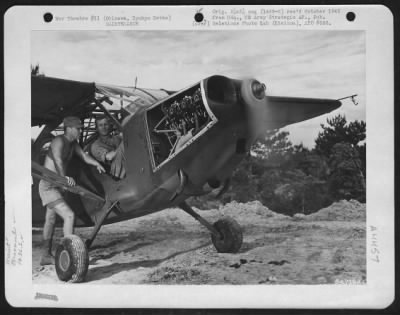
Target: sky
<point>321,64</point>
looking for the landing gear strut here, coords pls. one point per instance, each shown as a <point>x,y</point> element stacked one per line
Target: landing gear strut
<point>107,208</point>
<point>226,233</point>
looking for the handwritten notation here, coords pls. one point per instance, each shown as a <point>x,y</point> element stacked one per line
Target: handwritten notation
<point>14,244</point>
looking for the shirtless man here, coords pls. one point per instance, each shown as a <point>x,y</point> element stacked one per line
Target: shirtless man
<point>61,149</point>
<point>109,149</point>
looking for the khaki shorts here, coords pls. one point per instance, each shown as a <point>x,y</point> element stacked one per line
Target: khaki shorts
<point>50,194</point>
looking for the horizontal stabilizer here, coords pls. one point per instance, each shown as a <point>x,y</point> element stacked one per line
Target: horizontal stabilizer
<point>282,111</point>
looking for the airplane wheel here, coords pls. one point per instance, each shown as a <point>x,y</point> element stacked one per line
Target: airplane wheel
<point>231,236</point>
<point>72,259</point>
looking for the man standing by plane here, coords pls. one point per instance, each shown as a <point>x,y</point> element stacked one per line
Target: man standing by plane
<point>109,149</point>
<point>60,152</point>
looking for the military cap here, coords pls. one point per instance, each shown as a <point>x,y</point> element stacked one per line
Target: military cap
<point>72,121</point>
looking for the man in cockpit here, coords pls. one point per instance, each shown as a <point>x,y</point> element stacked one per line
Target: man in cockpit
<point>109,149</point>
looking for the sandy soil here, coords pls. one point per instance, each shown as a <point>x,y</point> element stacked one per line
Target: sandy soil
<point>170,247</point>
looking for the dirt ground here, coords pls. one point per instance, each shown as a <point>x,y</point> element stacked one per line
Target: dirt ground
<point>170,247</point>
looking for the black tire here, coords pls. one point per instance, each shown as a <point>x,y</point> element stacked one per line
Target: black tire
<point>231,236</point>
<point>72,259</point>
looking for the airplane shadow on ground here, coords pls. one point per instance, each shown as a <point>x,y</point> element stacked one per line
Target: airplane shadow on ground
<point>113,253</point>
<point>247,246</point>
<point>261,242</point>
<point>108,271</point>
<point>112,243</point>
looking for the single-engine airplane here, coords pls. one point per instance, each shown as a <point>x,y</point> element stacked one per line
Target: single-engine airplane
<point>219,117</point>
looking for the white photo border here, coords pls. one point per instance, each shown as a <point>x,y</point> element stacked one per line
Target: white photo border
<point>20,291</point>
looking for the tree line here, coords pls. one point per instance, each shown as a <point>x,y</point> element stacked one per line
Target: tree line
<point>293,179</point>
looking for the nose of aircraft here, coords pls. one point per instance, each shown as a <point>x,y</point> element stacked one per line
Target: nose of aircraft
<point>239,103</point>
<point>258,89</point>
<point>252,91</point>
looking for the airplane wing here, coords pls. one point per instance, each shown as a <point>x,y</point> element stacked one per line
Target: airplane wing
<point>52,99</point>
<point>282,111</point>
<point>132,98</point>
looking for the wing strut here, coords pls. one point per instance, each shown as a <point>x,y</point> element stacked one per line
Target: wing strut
<point>106,112</point>
<point>41,172</point>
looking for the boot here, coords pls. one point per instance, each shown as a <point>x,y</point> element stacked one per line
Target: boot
<point>47,258</point>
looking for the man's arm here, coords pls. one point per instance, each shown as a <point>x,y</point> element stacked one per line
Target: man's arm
<point>98,151</point>
<point>110,156</point>
<point>87,158</point>
<point>102,154</point>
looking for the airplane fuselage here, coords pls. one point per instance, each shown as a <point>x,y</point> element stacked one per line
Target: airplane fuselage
<point>208,157</point>
<point>183,145</point>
